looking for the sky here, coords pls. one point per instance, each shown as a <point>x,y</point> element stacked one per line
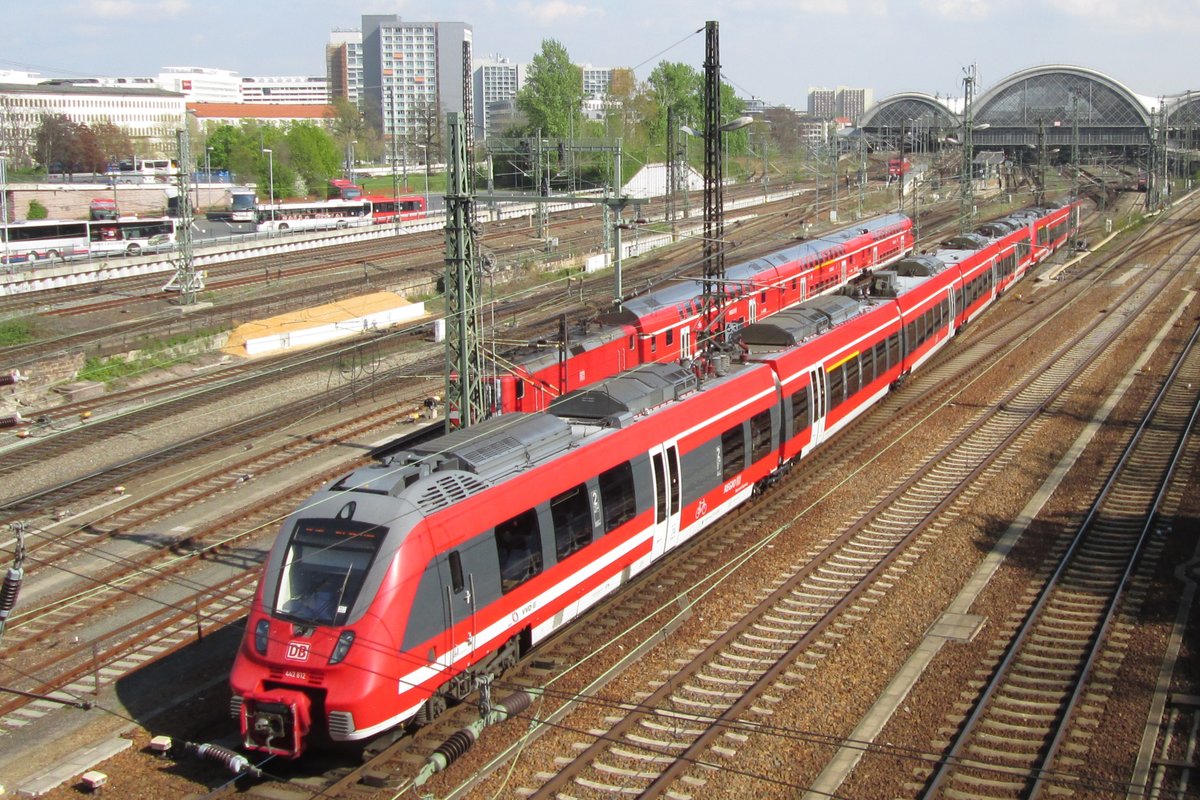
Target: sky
<point>770,49</point>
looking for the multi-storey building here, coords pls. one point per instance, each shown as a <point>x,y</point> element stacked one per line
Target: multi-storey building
<point>596,81</point>
<point>150,116</point>
<point>202,84</point>
<point>286,90</point>
<point>851,103</point>
<point>344,64</point>
<point>496,81</point>
<point>822,103</point>
<point>412,73</point>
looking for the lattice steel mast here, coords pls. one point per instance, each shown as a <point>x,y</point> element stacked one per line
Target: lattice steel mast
<point>464,342</point>
<point>714,203</point>
<point>186,280</point>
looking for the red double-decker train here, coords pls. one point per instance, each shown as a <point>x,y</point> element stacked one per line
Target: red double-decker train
<point>393,590</point>
<point>662,326</point>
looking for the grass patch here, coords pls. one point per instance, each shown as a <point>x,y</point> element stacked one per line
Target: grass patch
<point>107,370</point>
<point>159,355</point>
<point>14,332</point>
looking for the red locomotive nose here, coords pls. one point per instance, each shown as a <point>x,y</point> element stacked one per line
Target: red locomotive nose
<point>276,722</point>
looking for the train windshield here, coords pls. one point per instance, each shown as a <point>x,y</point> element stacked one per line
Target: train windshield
<point>324,568</point>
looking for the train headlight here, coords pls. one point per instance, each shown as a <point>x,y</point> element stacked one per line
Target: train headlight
<point>342,647</point>
<point>261,633</point>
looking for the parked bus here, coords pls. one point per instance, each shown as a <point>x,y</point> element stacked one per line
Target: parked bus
<point>144,169</point>
<point>313,216</point>
<point>242,203</point>
<point>58,240</point>
<point>103,208</point>
<point>385,209</point>
<point>343,189</point>
<point>131,236</point>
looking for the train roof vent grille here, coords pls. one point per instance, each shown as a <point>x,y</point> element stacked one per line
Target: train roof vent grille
<point>618,399</point>
<point>447,489</point>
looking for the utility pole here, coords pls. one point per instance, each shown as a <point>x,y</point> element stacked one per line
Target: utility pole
<point>714,202</point>
<point>1075,165</point>
<point>1039,192</point>
<point>833,178</point>
<point>672,169</point>
<point>185,280</point>
<point>966,207</point>
<point>862,177</point>
<point>465,388</point>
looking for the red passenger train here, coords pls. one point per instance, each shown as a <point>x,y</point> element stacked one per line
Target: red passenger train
<point>662,326</point>
<point>392,590</point>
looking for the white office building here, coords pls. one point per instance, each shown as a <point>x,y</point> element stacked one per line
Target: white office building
<point>202,84</point>
<point>286,90</point>
<point>150,116</point>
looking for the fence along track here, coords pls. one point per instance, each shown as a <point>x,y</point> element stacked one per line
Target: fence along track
<point>1013,736</point>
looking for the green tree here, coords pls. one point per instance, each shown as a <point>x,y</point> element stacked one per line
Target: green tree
<point>313,155</point>
<point>676,85</point>
<point>552,97</point>
<point>112,141</point>
<point>36,211</point>
<point>53,143</point>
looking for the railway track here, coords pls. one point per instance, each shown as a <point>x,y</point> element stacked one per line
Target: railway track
<point>1014,741</point>
<point>114,653</point>
<point>664,592</point>
<point>655,746</point>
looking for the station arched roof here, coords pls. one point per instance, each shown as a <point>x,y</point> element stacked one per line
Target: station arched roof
<point>900,109</point>
<point>1184,110</point>
<point>1053,93</point>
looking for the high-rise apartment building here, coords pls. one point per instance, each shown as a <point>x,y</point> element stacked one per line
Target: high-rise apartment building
<point>412,71</point>
<point>496,81</point>
<point>843,101</point>
<point>344,64</point>
<point>851,103</point>
<point>822,103</point>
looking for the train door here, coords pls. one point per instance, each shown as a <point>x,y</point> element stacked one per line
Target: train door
<point>803,289</point>
<point>664,460</point>
<point>685,342</point>
<point>819,394</point>
<point>458,585</point>
<point>874,255</point>
<point>752,311</point>
<point>845,275</point>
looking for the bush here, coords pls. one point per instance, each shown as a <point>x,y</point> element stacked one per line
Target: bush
<point>37,211</point>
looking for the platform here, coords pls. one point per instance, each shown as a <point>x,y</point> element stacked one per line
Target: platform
<point>321,324</point>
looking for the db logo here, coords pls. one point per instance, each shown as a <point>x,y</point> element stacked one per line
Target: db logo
<point>297,651</point>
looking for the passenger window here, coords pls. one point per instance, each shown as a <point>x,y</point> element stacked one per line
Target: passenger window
<point>799,410</point>
<point>733,452</point>
<point>837,385</point>
<point>670,336</point>
<point>519,546</point>
<point>616,496</point>
<point>760,436</point>
<point>572,521</point>
<point>456,572</point>
<point>520,388</point>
